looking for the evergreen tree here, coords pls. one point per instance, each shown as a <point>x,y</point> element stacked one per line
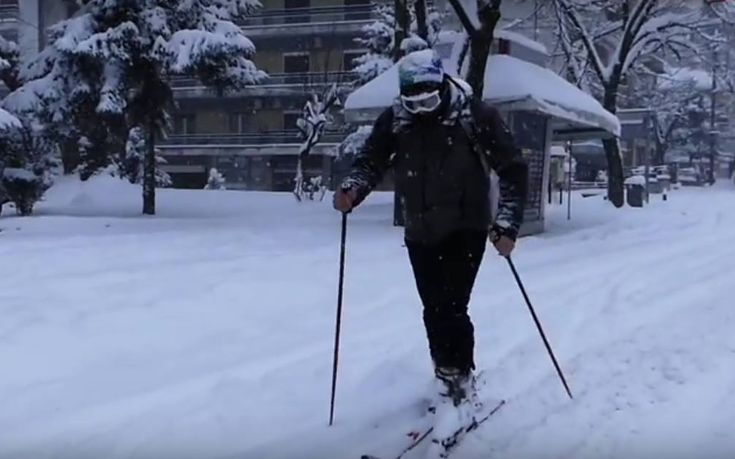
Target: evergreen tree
<point>378,38</point>
<point>109,70</point>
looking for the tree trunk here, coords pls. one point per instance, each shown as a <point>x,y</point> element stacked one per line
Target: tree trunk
<point>69,155</point>
<point>479,53</point>
<point>480,41</point>
<point>615,187</point>
<point>660,154</point>
<point>421,19</point>
<point>403,24</point>
<point>149,173</point>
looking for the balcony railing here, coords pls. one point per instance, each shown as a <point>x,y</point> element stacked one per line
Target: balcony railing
<point>310,79</point>
<point>259,139</point>
<point>324,14</point>
<point>8,13</point>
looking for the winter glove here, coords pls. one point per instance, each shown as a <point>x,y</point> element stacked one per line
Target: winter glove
<point>503,241</point>
<point>344,199</point>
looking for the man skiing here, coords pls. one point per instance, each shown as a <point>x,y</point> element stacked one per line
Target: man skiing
<point>441,144</point>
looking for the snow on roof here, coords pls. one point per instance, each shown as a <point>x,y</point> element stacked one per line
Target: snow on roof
<point>507,80</point>
<point>636,180</point>
<point>523,40</point>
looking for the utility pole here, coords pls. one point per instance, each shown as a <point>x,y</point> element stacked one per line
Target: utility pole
<point>647,152</point>
<point>569,185</point>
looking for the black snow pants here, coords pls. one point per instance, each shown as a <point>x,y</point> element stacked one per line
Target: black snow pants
<point>445,274</point>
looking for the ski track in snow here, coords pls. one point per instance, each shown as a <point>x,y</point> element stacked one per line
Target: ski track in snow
<point>207,332</point>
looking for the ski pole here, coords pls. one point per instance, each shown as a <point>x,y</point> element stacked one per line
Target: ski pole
<point>339,314</point>
<point>538,325</point>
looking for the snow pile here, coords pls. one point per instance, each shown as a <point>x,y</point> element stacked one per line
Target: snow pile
<point>209,335</point>
<point>17,174</point>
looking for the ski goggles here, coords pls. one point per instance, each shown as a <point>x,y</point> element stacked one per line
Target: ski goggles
<point>422,103</point>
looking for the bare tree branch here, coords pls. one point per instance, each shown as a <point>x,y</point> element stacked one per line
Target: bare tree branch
<point>587,40</point>
<point>463,17</point>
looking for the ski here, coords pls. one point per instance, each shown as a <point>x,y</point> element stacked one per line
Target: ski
<point>442,448</point>
<point>445,446</point>
<point>417,437</point>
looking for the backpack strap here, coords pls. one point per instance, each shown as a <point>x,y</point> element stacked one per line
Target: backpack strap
<point>467,121</point>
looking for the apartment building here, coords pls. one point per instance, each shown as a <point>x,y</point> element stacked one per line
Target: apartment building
<point>26,21</point>
<point>251,137</point>
<point>305,46</point>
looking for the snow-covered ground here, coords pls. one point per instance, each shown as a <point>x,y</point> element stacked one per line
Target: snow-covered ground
<point>206,332</point>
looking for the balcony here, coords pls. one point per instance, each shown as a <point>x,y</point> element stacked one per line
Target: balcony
<point>277,84</point>
<point>289,137</point>
<point>294,21</point>
<point>8,13</point>
<point>272,143</point>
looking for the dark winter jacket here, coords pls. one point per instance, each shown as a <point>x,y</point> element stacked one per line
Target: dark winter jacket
<point>442,168</point>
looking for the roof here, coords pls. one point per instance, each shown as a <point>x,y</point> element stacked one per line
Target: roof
<point>508,80</point>
<point>522,40</point>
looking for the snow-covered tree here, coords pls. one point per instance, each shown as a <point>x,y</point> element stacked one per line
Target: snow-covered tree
<point>315,117</point>
<point>109,69</point>
<point>131,165</point>
<point>62,92</point>
<point>216,180</point>
<point>28,160</point>
<point>9,64</point>
<point>681,100</point>
<point>379,38</point>
<point>353,143</point>
<point>605,40</point>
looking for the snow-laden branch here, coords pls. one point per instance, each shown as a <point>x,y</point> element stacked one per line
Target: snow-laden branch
<point>575,18</point>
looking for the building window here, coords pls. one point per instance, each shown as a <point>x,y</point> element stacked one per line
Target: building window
<point>296,63</point>
<point>298,7</point>
<point>296,4</point>
<point>237,122</point>
<point>289,120</point>
<point>348,60</point>
<point>10,35</point>
<point>185,124</point>
<point>71,8</point>
<point>357,9</point>
<point>8,2</point>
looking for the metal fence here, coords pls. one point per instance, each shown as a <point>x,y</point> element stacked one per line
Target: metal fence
<point>8,12</point>
<point>265,138</point>
<point>324,14</point>
<point>309,79</point>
